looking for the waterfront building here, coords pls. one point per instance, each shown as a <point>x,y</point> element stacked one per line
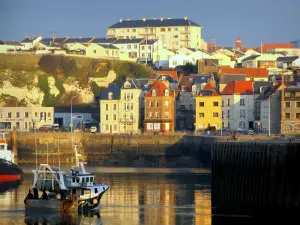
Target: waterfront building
<point>208,108</point>
<point>174,33</point>
<point>290,111</point>
<point>9,46</point>
<point>25,118</point>
<point>160,108</point>
<point>130,106</point>
<point>130,47</point>
<point>237,105</point>
<point>109,109</point>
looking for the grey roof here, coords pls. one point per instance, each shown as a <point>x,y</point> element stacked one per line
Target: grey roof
<point>10,43</point>
<point>261,85</point>
<point>199,79</point>
<point>135,84</point>
<point>232,77</point>
<point>108,46</point>
<point>128,41</point>
<point>143,81</point>
<point>27,40</point>
<point>78,40</point>
<point>251,57</point>
<point>206,92</point>
<point>154,23</point>
<point>292,89</point>
<point>48,42</point>
<point>114,88</point>
<point>81,108</point>
<point>168,78</point>
<point>149,42</point>
<point>56,40</point>
<point>104,40</point>
<point>192,49</point>
<point>287,59</point>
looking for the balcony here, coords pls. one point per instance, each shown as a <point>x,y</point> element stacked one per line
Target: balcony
<point>127,120</point>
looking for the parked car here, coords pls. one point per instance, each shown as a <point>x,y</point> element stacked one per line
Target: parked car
<point>56,127</point>
<point>46,128</point>
<point>244,131</point>
<point>93,129</point>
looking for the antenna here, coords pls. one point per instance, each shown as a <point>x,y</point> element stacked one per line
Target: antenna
<point>58,154</point>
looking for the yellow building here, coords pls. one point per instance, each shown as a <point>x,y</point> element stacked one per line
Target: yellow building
<point>130,106</point>
<point>208,109</point>
<point>175,33</point>
<point>109,110</point>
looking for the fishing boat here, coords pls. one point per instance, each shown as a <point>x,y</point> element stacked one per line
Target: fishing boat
<point>63,191</point>
<point>9,171</point>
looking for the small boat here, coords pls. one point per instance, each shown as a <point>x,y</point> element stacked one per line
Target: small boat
<point>62,191</point>
<point>9,171</point>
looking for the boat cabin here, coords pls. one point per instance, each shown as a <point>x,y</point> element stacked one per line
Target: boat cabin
<point>90,192</point>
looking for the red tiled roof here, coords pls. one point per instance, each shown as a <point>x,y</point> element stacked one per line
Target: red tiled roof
<point>3,141</point>
<point>238,88</point>
<point>249,72</point>
<point>208,86</point>
<point>249,48</point>
<point>172,73</point>
<point>160,88</point>
<point>269,46</point>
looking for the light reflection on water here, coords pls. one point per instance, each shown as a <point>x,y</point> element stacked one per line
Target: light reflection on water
<point>136,196</point>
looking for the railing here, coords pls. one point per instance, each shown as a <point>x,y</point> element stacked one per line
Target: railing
<point>127,120</point>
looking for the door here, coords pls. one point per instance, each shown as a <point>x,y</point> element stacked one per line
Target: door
<point>251,125</point>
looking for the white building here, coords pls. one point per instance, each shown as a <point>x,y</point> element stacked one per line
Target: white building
<point>179,60</point>
<point>237,105</point>
<point>29,43</point>
<point>130,47</point>
<point>25,118</point>
<point>8,46</point>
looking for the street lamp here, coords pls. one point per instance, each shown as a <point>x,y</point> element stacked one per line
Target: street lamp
<point>72,116</point>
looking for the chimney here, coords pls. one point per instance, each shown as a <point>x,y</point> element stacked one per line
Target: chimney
<point>185,18</point>
<point>121,20</point>
<point>144,19</point>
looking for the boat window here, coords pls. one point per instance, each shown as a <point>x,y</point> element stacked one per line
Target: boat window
<point>83,179</point>
<point>87,179</point>
<point>96,190</point>
<point>77,179</point>
<point>103,188</point>
<point>92,178</point>
<point>82,191</point>
<point>73,179</point>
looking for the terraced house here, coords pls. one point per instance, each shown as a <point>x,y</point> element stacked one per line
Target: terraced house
<point>160,108</point>
<point>175,33</point>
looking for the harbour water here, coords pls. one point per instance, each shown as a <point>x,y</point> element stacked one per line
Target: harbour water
<point>136,196</point>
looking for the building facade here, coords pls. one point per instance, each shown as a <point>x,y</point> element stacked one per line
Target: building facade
<point>237,105</point>
<point>25,118</point>
<point>208,109</point>
<point>159,108</point>
<point>290,119</point>
<point>175,33</point>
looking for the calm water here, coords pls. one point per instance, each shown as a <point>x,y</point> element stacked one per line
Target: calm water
<point>136,196</point>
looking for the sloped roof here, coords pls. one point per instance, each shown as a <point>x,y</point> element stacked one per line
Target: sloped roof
<point>168,77</point>
<point>226,78</point>
<point>10,43</point>
<point>202,78</point>
<point>108,46</point>
<point>238,88</point>
<point>160,88</point>
<point>27,40</point>
<point>268,46</point>
<point>257,85</point>
<point>287,59</point>
<point>129,41</point>
<point>104,40</point>
<point>56,40</point>
<point>149,42</point>
<point>172,73</point>
<point>250,72</point>
<point>78,40</point>
<point>48,42</point>
<point>134,83</point>
<point>208,93</point>
<point>114,88</point>
<point>154,23</point>
<point>250,58</point>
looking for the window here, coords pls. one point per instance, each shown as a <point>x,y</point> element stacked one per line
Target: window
<point>228,102</point>
<point>166,114</point>
<point>216,104</point>
<point>174,63</point>
<point>26,126</point>
<point>49,115</point>
<point>287,94</point>
<point>175,29</point>
<point>9,115</point>
<point>222,124</point>
<point>110,95</point>
<point>92,179</point>
<point>94,51</point>
<point>153,93</point>
<point>166,92</point>
<point>228,113</point>
<point>133,30</point>
<point>106,127</point>
<point>287,104</point>
<point>242,102</point>
<point>288,127</point>
<point>135,46</point>
<point>115,107</point>
<point>201,114</point>
<point>162,29</point>
<point>151,104</point>
<point>115,127</point>
<point>297,94</point>
<point>129,46</point>
<point>0,114</point>
<point>215,114</point>
<point>96,190</point>
<point>77,179</point>
<point>228,124</point>
<point>298,104</point>
<point>106,107</point>
<point>18,115</point>
<point>222,103</point>
<point>242,125</point>
<point>17,124</point>
<point>150,114</point>
<point>156,104</point>
<point>242,113</point>
<point>115,117</point>
<point>87,179</point>
<point>297,115</point>
<point>222,114</point>
<point>143,47</point>
<point>201,104</point>
<point>106,117</point>
<point>288,115</point>
<point>166,104</point>
<point>36,114</point>
<point>156,115</point>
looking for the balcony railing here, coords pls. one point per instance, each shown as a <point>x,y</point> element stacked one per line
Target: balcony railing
<point>127,120</point>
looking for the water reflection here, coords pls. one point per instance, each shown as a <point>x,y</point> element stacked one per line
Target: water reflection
<point>133,198</point>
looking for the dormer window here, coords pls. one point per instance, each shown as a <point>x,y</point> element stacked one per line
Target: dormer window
<point>166,92</point>
<point>183,88</point>
<point>127,84</point>
<point>153,93</point>
<point>110,95</point>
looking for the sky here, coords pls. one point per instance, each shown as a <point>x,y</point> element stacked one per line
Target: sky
<point>269,21</point>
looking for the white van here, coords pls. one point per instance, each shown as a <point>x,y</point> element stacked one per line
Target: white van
<point>93,129</point>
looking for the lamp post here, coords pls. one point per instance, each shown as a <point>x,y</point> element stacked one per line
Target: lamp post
<point>72,116</point>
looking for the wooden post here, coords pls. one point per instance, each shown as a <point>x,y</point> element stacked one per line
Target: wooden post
<point>14,143</point>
